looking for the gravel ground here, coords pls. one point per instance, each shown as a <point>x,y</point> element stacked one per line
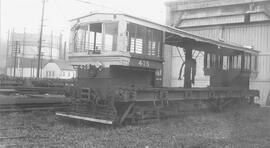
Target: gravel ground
<point>245,127</point>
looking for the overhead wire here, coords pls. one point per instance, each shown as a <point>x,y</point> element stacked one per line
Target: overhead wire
<point>99,5</point>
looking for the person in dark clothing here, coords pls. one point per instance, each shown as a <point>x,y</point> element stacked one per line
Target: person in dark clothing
<point>190,64</point>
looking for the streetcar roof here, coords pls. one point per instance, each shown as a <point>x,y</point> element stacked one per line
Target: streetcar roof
<point>215,45</point>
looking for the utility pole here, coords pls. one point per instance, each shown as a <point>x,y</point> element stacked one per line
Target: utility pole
<point>0,23</point>
<point>22,53</point>
<point>40,38</point>
<point>15,51</point>
<point>41,61</point>
<point>65,48</point>
<point>7,52</point>
<point>51,53</point>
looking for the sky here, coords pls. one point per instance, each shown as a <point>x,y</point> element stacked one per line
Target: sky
<point>25,15</point>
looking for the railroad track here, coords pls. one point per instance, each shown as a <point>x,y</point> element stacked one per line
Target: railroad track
<point>33,107</point>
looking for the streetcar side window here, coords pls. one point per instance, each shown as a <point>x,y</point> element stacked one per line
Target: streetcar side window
<point>247,62</point>
<point>226,63</point>
<point>131,29</point>
<point>236,61</point>
<point>144,40</point>
<point>213,61</point>
<point>208,60</point>
<point>140,35</point>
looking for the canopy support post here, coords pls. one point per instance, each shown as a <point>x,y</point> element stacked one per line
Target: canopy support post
<point>187,73</point>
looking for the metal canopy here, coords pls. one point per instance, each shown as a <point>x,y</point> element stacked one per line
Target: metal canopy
<point>195,39</point>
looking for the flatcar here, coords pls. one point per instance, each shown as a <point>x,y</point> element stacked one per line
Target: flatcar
<point>120,62</point>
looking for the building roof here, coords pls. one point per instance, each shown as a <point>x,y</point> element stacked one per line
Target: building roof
<point>194,13</point>
<point>63,65</point>
<point>181,33</point>
<point>198,4</point>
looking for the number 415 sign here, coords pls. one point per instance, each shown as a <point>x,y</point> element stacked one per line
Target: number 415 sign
<point>143,63</point>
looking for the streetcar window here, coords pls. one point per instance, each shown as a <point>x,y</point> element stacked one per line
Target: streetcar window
<point>154,38</point>
<point>95,37</point>
<point>239,61</point>
<point>132,45</point>
<point>247,18</point>
<point>151,42</point>
<point>213,61</point>
<point>218,62</point>
<point>140,39</point>
<point>111,33</point>
<point>225,63</point>
<point>236,61</point>
<point>136,35</point>
<point>208,60</point>
<point>144,40</point>
<point>247,62</point>
<point>139,46</point>
<point>78,38</point>
<point>85,37</point>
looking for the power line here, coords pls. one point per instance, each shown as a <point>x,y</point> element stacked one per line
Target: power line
<point>99,5</point>
<point>59,10</point>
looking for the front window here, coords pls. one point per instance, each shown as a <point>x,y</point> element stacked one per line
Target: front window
<point>90,37</point>
<point>95,37</point>
<point>111,33</point>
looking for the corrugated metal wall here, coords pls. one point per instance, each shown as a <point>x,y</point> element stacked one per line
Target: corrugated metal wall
<point>209,32</point>
<point>212,20</point>
<point>264,67</point>
<point>256,35</point>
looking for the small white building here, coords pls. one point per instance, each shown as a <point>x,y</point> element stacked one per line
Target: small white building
<point>58,70</point>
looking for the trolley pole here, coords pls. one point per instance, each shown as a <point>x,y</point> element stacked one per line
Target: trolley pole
<point>40,38</point>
